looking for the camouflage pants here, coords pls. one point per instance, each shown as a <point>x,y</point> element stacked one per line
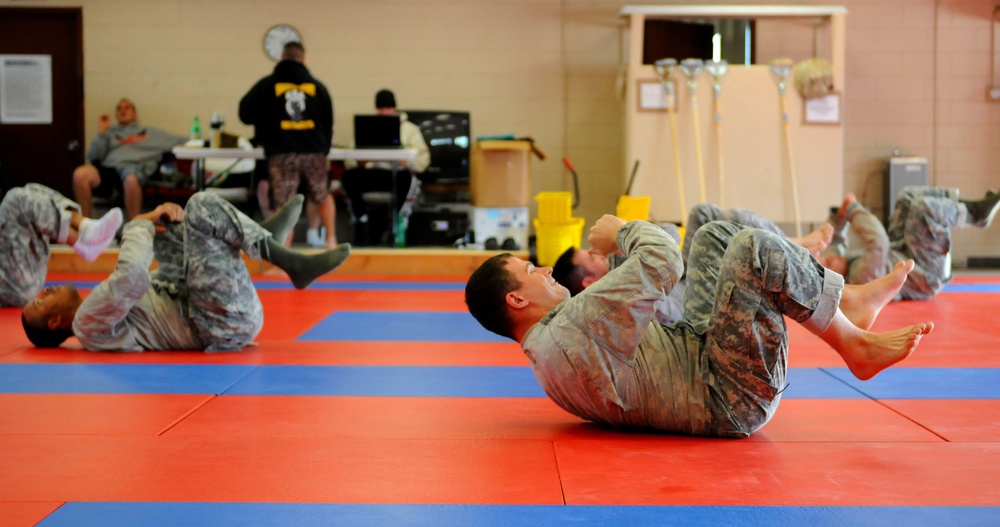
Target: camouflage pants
<point>30,216</point>
<point>703,213</point>
<point>741,284</point>
<point>287,170</point>
<point>201,257</point>
<point>920,228</point>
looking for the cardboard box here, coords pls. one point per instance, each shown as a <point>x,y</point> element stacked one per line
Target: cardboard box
<point>500,173</point>
<point>501,223</point>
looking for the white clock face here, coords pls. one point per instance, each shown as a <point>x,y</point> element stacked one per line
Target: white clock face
<point>276,38</point>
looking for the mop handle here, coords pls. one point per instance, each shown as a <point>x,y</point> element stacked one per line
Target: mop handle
<point>791,170</point>
<point>700,163</point>
<point>718,148</point>
<point>677,163</point>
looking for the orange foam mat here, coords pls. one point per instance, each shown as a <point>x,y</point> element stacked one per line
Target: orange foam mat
<point>954,420</point>
<point>962,324</point>
<point>25,514</point>
<point>94,414</point>
<point>387,417</point>
<point>509,418</point>
<point>300,469</point>
<point>687,471</point>
<point>818,420</point>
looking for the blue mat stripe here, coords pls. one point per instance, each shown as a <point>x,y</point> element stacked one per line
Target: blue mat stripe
<point>399,326</point>
<point>120,378</point>
<point>926,383</point>
<point>971,288</point>
<point>156,514</point>
<point>384,381</point>
<point>445,381</point>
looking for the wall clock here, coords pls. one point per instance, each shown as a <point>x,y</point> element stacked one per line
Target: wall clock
<point>276,38</point>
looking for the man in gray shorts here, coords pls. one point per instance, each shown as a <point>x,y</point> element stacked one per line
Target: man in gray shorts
<point>121,158</point>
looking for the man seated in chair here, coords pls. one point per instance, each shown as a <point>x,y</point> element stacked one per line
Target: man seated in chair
<point>372,176</point>
<point>121,159</point>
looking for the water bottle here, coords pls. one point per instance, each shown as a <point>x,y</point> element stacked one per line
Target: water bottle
<point>195,129</point>
<point>402,222</point>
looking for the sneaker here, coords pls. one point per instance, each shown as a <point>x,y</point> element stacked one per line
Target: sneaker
<point>316,237</point>
<point>981,212</point>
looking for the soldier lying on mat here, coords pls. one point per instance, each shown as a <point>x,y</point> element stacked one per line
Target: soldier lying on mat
<point>31,217</point>
<point>200,297</point>
<point>719,371</point>
<point>576,268</point>
<point>920,229</point>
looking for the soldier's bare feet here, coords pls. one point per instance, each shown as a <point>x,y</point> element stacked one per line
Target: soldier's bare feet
<point>861,304</point>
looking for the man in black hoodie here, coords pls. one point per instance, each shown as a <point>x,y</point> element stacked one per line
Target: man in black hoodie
<point>292,115</point>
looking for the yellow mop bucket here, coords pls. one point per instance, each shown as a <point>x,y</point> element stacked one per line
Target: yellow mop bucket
<point>630,208</point>
<point>554,208</point>
<point>553,240</point>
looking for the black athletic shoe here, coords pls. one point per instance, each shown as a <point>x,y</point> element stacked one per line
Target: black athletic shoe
<point>981,212</point>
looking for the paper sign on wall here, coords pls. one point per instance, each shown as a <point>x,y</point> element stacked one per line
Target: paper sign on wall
<point>25,89</point>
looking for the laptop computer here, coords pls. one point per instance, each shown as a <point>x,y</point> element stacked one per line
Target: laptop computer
<point>376,131</point>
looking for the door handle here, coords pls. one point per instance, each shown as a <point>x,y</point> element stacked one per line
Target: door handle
<point>73,145</point>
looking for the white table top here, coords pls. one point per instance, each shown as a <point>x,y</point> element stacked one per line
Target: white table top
<point>340,154</point>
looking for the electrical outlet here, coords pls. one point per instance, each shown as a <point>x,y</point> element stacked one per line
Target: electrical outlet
<point>993,93</point>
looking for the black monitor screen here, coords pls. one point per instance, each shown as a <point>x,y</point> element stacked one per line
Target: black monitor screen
<point>448,136</point>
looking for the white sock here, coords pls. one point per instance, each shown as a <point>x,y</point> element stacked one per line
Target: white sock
<point>95,232</point>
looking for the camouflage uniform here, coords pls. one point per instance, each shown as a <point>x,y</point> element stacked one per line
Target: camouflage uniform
<point>200,297</point>
<point>703,213</point>
<point>30,217</point>
<point>720,371</point>
<point>670,308</point>
<point>920,228</point>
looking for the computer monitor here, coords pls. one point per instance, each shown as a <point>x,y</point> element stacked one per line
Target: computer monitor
<point>449,137</point>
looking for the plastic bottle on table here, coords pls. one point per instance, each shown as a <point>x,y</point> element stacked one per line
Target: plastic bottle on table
<point>195,129</point>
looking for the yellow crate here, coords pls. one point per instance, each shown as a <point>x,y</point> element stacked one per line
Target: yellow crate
<point>555,208</point>
<point>553,240</point>
<point>633,208</point>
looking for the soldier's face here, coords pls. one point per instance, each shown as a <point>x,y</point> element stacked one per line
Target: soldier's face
<point>537,284</point>
<point>56,300</point>
<point>594,265</point>
<point>125,112</point>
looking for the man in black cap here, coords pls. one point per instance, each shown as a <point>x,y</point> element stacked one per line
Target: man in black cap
<point>372,176</point>
<point>292,116</point>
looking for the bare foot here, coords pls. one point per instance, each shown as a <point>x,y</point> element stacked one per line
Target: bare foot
<point>869,353</point>
<point>817,240</point>
<point>861,304</point>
